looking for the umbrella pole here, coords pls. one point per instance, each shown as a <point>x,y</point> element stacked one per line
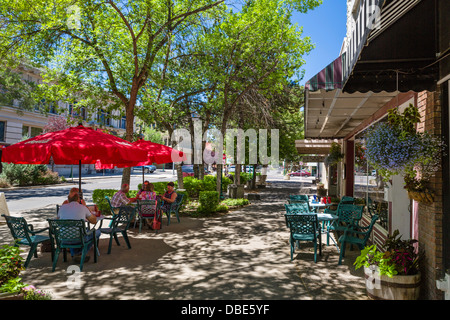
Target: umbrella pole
<point>142,176</point>
<point>79,179</point>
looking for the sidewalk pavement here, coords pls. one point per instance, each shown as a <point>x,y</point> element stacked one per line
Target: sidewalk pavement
<point>241,255</point>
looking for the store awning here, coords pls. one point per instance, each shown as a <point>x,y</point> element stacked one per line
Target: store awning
<point>397,53</point>
<point>330,78</point>
<point>314,146</point>
<point>383,57</point>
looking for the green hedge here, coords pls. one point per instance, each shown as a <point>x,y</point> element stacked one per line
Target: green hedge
<point>245,177</point>
<point>28,174</point>
<point>194,186</point>
<point>209,200</point>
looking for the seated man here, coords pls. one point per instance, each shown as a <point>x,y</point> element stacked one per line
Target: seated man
<point>120,198</point>
<point>76,211</point>
<point>71,194</point>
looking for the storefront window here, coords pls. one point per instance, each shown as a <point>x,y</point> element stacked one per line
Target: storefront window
<point>369,185</point>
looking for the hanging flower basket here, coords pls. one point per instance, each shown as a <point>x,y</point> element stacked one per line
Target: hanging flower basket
<point>396,148</point>
<point>422,196</point>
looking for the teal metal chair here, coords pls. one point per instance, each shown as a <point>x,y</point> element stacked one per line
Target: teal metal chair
<point>146,211</point>
<point>297,208</point>
<point>348,214</point>
<point>347,200</point>
<point>298,198</point>
<point>71,234</point>
<point>355,235</point>
<point>175,207</point>
<point>120,223</point>
<point>113,209</point>
<point>304,227</point>
<point>24,234</point>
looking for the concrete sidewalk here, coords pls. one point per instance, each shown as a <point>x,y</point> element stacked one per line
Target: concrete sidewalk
<point>241,255</point>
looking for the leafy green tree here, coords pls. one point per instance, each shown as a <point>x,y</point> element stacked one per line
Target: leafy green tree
<point>112,47</point>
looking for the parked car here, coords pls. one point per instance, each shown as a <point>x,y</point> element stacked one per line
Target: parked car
<point>232,169</point>
<point>300,173</point>
<point>147,169</point>
<point>188,170</point>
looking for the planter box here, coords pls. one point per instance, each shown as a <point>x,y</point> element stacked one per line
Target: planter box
<point>425,197</point>
<point>395,288</point>
<point>11,296</point>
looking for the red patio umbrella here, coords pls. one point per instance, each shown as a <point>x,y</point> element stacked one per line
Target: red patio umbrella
<point>75,145</point>
<point>156,153</point>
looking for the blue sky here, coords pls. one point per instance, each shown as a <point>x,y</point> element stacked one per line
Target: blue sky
<point>326,25</point>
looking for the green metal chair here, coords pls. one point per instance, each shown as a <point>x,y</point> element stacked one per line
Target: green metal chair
<point>297,208</point>
<point>120,223</point>
<point>348,214</point>
<point>175,207</point>
<point>146,211</point>
<point>352,235</point>
<point>24,234</point>
<point>298,198</point>
<point>304,227</point>
<point>113,212</point>
<point>71,234</point>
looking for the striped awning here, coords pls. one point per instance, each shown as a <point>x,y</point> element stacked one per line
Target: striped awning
<point>330,78</point>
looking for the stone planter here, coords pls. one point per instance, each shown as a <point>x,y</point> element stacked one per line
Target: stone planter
<point>287,177</point>
<point>395,288</point>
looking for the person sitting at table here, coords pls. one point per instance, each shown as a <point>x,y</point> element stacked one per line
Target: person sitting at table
<point>77,211</point>
<point>148,192</point>
<point>72,192</point>
<point>169,197</point>
<point>120,197</point>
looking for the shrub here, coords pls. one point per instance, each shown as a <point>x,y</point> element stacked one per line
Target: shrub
<point>235,202</point>
<point>28,174</point>
<point>11,263</point>
<point>209,200</point>
<point>98,197</point>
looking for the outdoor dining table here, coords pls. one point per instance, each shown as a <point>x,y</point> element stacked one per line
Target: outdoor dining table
<point>318,205</point>
<point>327,217</point>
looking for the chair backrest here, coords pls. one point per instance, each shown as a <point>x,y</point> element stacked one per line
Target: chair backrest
<point>369,230</point>
<point>19,227</point>
<point>298,207</point>
<point>349,212</point>
<point>147,207</point>
<point>302,224</point>
<point>67,230</point>
<point>347,200</point>
<point>298,198</point>
<point>177,203</point>
<point>110,206</point>
<point>123,219</point>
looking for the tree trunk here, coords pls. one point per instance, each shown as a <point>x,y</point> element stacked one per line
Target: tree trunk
<point>179,176</point>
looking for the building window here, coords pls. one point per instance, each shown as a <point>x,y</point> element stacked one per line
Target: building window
<point>369,184</point>
<point>35,131</point>
<point>123,123</point>
<point>103,118</point>
<point>25,132</point>
<point>2,130</point>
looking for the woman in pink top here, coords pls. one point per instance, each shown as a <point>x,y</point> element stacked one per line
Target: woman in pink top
<point>148,193</point>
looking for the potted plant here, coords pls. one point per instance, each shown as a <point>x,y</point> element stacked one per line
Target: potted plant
<point>392,274</point>
<point>321,191</point>
<point>395,147</point>
<point>335,154</point>
<point>11,285</point>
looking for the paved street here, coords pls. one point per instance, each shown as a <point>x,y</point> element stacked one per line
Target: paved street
<point>30,198</point>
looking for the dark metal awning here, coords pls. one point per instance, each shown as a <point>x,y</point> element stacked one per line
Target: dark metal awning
<point>384,56</point>
<point>398,52</point>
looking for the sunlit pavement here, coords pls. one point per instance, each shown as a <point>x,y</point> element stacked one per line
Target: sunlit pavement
<point>242,255</point>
